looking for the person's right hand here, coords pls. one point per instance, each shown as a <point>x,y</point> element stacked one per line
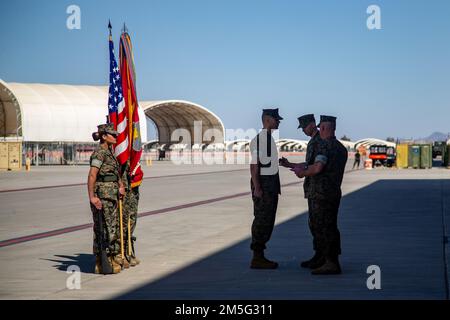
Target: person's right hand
<point>122,192</point>
<point>96,202</point>
<point>299,166</point>
<point>258,193</point>
<point>299,171</point>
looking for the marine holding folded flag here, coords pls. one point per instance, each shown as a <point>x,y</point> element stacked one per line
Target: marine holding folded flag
<point>117,174</point>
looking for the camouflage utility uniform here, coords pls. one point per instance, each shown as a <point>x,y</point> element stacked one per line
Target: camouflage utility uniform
<point>107,190</point>
<point>311,153</point>
<point>130,207</point>
<point>265,208</point>
<point>324,195</point>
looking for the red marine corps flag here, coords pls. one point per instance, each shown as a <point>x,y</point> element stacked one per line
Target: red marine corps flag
<point>128,76</point>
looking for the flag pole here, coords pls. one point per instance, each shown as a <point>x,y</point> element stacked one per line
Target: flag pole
<point>110,38</point>
<point>110,27</point>
<point>122,252</point>
<point>129,236</point>
<point>120,200</point>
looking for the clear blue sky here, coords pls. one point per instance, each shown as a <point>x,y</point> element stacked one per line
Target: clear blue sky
<point>236,57</point>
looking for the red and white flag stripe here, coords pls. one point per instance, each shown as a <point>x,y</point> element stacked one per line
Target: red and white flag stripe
<point>121,147</point>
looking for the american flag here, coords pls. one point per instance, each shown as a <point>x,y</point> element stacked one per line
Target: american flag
<point>116,107</point>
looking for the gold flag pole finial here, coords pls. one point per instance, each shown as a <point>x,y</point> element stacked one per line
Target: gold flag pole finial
<point>110,27</point>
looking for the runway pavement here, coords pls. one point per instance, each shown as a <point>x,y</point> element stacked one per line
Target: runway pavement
<point>193,236</point>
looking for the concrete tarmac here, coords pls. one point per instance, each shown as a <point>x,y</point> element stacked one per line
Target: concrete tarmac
<point>193,236</point>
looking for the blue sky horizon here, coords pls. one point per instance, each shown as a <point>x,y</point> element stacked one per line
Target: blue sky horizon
<point>237,57</point>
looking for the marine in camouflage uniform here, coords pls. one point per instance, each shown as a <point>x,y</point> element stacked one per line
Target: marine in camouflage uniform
<point>311,152</point>
<point>324,194</point>
<point>307,123</point>
<point>106,188</point>
<point>265,159</point>
<point>130,210</point>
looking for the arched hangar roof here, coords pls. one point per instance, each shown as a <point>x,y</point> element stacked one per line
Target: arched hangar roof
<point>169,115</point>
<point>237,145</point>
<point>284,142</point>
<point>54,112</point>
<point>70,113</point>
<point>348,144</point>
<point>367,142</point>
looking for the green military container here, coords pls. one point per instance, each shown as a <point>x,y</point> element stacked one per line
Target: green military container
<point>414,156</point>
<point>426,156</point>
<point>447,157</point>
<point>444,155</point>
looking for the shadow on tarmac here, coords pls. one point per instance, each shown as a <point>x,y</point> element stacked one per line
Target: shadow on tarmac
<point>84,261</point>
<point>395,224</point>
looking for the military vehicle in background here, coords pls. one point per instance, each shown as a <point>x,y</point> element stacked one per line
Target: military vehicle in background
<point>391,156</point>
<point>382,155</point>
<point>439,149</point>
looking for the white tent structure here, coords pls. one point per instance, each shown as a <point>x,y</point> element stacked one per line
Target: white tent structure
<point>350,145</point>
<point>367,142</point>
<point>282,145</point>
<point>291,145</point>
<point>55,112</point>
<point>55,121</point>
<point>202,125</point>
<point>237,145</point>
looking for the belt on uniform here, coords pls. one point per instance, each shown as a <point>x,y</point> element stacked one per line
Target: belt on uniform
<point>107,179</point>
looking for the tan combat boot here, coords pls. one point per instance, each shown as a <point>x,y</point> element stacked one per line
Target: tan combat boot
<point>260,262</point>
<point>118,259</point>
<point>313,263</point>
<point>125,263</point>
<point>98,265</point>
<point>115,266</point>
<point>134,261</point>
<point>331,266</point>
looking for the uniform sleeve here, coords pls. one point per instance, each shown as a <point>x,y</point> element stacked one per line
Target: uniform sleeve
<point>322,153</point>
<point>97,159</point>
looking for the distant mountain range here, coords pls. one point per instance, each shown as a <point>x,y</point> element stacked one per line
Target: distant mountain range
<point>435,136</point>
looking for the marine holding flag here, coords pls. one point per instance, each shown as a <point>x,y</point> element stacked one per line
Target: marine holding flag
<point>104,180</point>
<point>132,174</point>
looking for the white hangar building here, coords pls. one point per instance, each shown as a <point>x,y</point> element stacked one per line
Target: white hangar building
<point>54,122</point>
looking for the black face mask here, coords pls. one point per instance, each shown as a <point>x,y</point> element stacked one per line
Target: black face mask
<point>113,135</point>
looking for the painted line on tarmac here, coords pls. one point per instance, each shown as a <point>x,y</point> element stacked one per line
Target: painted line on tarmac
<point>145,178</point>
<point>58,232</point>
<point>43,235</point>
